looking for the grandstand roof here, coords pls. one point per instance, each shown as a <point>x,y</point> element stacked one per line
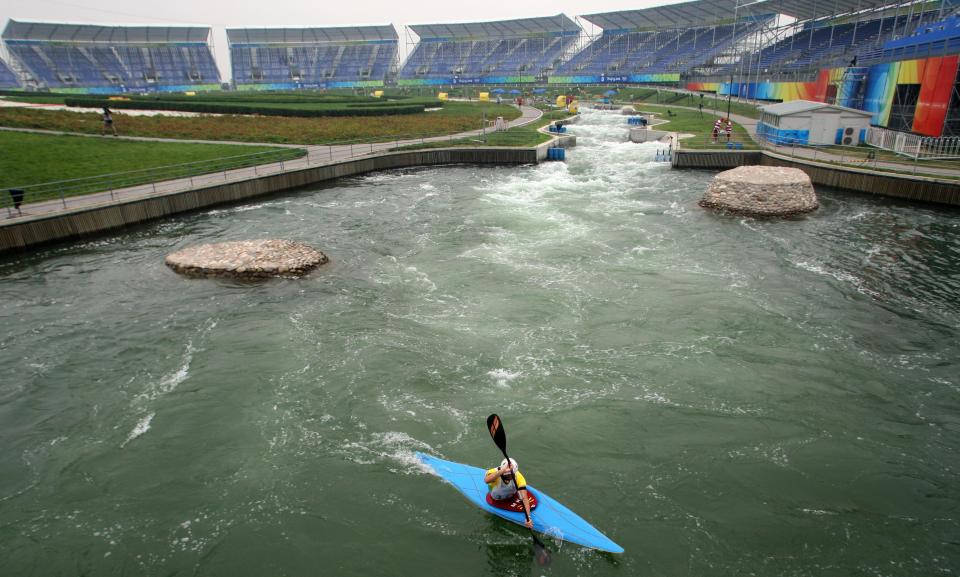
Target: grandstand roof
<point>499,29</point>
<point>63,32</point>
<point>310,35</point>
<point>707,12</point>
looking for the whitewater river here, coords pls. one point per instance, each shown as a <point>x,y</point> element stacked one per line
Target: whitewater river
<point>719,395</point>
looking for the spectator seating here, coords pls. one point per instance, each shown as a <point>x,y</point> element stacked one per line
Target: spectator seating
<point>113,57</point>
<point>832,46</point>
<point>530,47</point>
<point>673,50</point>
<point>320,56</point>
<point>8,79</point>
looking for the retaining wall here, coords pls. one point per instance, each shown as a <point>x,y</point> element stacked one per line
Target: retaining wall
<point>715,159</point>
<point>85,221</point>
<point>639,135</point>
<point>925,189</point>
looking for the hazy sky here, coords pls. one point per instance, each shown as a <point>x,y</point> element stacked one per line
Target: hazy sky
<point>222,14</point>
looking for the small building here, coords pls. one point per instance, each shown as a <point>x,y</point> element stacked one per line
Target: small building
<point>812,123</point>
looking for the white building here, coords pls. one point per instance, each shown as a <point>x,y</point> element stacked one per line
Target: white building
<point>813,123</point>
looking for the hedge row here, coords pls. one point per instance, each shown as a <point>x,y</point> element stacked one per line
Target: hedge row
<point>255,97</point>
<point>225,108</point>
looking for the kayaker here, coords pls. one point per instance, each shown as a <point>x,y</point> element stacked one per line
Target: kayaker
<point>505,482</point>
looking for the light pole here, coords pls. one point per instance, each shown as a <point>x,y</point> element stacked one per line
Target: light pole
<point>736,8</point>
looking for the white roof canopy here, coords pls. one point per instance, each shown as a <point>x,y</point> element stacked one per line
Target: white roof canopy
<point>499,29</point>
<point>311,35</point>
<point>709,12</point>
<point>61,32</point>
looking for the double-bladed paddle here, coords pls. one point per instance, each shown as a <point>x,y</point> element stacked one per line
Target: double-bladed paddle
<point>495,426</point>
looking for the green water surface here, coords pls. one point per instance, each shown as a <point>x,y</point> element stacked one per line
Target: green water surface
<point>720,395</point>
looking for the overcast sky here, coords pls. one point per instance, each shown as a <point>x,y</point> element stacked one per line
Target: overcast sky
<point>221,14</point>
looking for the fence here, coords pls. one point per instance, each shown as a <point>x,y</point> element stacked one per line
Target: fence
<point>866,157</point>
<point>61,190</point>
<point>913,145</point>
<point>173,178</point>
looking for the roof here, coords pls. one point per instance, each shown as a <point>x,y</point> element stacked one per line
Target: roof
<point>681,15</point>
<point>559,24</point>
<point>798,106</point>
<point>65,32</point>
<point>311,35</point>
<point>708,12</point>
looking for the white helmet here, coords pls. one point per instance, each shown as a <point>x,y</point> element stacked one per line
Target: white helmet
<point>513,465</point>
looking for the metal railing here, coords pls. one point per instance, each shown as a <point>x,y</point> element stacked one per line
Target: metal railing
<point>859,157</point>
<point>59,195</point>
<point>913,145</point>
<point>62,190</point>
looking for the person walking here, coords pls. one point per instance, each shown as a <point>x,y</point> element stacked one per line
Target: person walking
<point>107,122</point>
<point>729,129</point>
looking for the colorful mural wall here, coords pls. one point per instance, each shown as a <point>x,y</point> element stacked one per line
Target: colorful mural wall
<point>783,91</point>
<point>935,76</point>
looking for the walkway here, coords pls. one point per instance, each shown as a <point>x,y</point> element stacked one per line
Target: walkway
<point>317,155</point>
<point>817,155</point>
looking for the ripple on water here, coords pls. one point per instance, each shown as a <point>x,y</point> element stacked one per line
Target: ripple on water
<point>800,374</point>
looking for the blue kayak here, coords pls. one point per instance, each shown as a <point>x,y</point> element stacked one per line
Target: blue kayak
<point>550,517</point>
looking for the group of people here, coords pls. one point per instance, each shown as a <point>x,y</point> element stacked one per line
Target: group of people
<point>719,129</point>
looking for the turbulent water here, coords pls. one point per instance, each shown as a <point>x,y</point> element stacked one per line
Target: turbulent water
<point>719,395</point>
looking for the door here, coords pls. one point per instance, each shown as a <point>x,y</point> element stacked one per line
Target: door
<point>828,124</point>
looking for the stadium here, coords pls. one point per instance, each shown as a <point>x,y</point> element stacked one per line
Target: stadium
<point>891,59</point>
<point>272,295</point>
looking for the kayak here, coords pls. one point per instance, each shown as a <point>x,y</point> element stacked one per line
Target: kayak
<point>550,517</point>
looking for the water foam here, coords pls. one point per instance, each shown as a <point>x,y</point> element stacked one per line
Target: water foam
<point>141,428</point>
<point>503,377</point>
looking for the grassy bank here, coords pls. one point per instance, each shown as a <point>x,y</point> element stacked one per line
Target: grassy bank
<point>690,122</point>
<point>452,118</point>
<point>265,104</point>
<point>711,103</point>
<point>31,159</point>
<point>522,136</point>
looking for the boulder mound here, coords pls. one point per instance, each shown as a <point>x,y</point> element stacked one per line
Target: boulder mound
<point>246,259</point>
<point>761,191</point>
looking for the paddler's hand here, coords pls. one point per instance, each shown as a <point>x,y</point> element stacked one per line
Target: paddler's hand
<point>528,523</point>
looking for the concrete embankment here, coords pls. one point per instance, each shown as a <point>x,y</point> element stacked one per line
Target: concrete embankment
<point>27,232</point>
<point>905,186</point>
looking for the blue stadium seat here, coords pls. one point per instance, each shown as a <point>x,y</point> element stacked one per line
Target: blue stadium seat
<point>8,79</point>
<point>112,57</point>
<point>355,56</point>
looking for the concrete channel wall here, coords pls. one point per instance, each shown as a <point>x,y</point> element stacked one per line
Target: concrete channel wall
<point>905,186</point>
<point>29,232</point>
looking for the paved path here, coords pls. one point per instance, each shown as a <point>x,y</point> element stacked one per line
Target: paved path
<point>815,154</point>
<point>317,155</point>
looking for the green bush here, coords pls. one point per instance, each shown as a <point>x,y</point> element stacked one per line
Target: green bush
<point>265,109</point>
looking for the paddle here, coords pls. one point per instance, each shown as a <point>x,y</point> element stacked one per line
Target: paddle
<point>495,426</point>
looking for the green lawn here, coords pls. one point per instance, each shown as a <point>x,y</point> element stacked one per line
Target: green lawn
<point>711,103</point>
<point>32,159</point>
<point>33,97</point>
<point>522,136</point>
<point>454,117</point>
<point>690,122</point>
